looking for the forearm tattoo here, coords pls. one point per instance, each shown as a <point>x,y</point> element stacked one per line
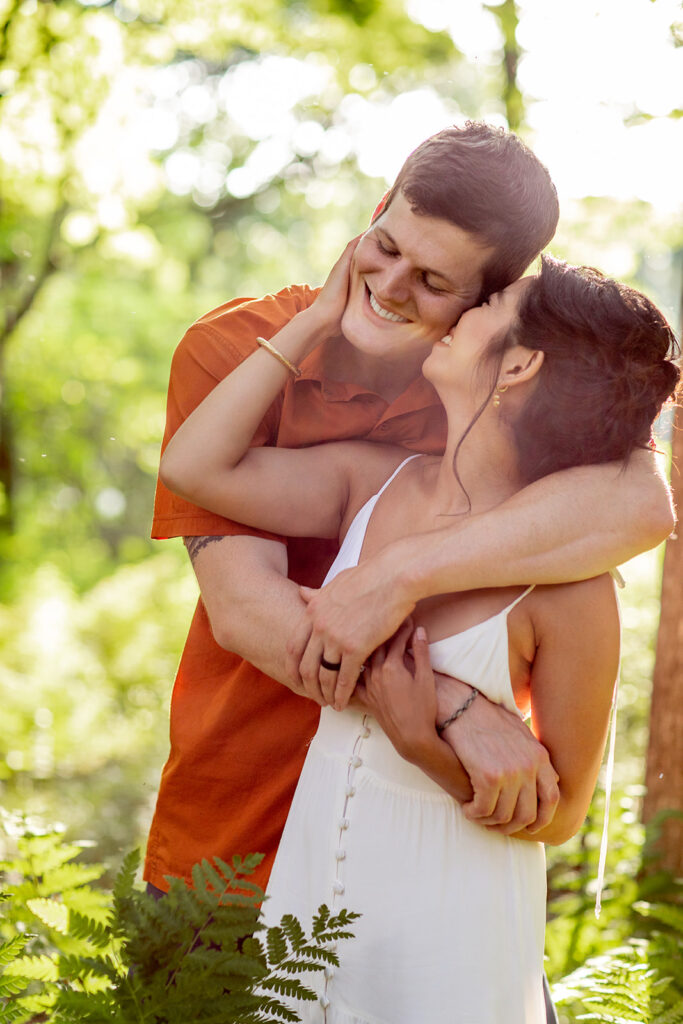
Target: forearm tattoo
<point>195,544</point>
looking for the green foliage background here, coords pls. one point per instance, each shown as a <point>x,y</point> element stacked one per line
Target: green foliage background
<point>106,255</point>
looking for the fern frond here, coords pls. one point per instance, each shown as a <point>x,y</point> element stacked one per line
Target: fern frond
<point>33,968</point>
<point>278,1012</point>
<point>12,948</point>
<point>125,878</point>
<point>276,945</point>
<point>11,1013</point>
<point>82,927</point>
<point>293,931</point>
<point>10,986</point>
<point>320,920</point>
<point>666,913</point>
<point>246,865</point>
<point>69,876</point>
<point>52,913</point>
<point>208,882</point>
<point>674,1015</point>
<point>291,987</point>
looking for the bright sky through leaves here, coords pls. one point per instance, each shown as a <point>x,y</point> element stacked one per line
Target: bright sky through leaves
<point>586,68</point>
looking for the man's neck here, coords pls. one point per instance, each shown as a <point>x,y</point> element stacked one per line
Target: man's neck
<point>343,362</point>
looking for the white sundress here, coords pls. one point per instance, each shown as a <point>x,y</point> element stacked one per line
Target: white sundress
<point>453,915</point>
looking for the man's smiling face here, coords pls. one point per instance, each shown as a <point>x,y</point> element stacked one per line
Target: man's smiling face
<point>411,278</point>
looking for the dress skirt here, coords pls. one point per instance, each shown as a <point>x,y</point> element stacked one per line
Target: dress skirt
<point>453,915</point>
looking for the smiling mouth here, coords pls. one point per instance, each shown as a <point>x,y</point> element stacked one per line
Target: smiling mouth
<point>384,313</point>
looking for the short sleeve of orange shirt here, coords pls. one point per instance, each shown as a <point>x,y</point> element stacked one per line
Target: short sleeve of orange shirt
<point>238,738</point>
<point>211,348</point>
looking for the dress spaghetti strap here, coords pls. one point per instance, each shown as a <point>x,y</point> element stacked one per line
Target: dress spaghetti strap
<point>418,455</point>
<point>516,601</point>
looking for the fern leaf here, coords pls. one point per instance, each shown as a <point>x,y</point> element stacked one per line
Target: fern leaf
<point>253,947</point>
<point>320,920</point>
<point>69,876</point>
<point>92,967</point>
<point>343,918</point>
<point>225,869</point>
<point>293,931</point>
<point>212,880</point>
<point>50,851</point>
<point>280,1012</point>
<point>10,986</point>
<point>9,1014</point>
<point>288,987</point>
<point>11,949</point>
<point>55,915</point>
<point>125,878</point>
<point>82,927</point>
<point>247,865</point>
<point>666,913</point>
<point>319,953</point>
<point>674,1015</point>
<point>276,945</point>
<point>34,968</point>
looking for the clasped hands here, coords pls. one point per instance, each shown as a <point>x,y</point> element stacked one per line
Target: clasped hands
<point>488,759</point>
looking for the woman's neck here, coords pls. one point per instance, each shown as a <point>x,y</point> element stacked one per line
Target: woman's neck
<point>387,379</point>
<point>486,465</point>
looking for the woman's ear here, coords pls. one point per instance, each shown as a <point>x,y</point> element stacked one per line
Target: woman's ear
<point>520,365</point>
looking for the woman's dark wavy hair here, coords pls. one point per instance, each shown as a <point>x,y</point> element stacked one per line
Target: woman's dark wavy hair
<point>607,370</point>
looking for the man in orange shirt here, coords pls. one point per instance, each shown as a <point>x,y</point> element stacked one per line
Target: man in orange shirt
<point>238,737</point>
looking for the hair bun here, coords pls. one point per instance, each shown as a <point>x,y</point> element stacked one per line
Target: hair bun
<point>608,369</point>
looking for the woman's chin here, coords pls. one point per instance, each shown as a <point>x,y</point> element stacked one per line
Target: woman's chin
<point>430,367</point>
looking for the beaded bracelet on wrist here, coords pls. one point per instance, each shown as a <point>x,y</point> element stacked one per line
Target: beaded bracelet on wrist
<point>458,712</point>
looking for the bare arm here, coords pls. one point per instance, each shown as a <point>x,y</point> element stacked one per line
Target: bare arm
<point>500,771</point>
<point>572,685</point>
<point>209,460</point>
<point>253,609</point>
<point>504,777</point>
<point>513,780</point>
<point>569,526</point>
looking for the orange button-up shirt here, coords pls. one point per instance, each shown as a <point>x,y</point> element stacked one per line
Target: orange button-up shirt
<point>238,738</point>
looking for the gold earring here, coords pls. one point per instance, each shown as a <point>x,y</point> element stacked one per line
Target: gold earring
<point>500,389</point>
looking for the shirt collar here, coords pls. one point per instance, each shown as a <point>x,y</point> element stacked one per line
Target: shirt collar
<point>418,395</point>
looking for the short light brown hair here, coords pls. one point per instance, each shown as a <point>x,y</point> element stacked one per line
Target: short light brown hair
<point>489,183</point>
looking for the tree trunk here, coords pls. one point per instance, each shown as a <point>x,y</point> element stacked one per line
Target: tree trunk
<point>507,17</point>
<point>664,771</point>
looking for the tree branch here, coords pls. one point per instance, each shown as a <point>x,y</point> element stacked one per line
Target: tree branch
<point>47,267</point>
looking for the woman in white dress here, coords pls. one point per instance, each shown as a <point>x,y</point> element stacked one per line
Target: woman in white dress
<point>557,370</point>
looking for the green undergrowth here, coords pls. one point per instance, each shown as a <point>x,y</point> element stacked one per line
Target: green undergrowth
<point>625,966</point>
<point>74,953</point>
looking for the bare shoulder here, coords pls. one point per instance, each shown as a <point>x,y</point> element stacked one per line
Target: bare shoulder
<point>586,608</point>
<point>368,466</point>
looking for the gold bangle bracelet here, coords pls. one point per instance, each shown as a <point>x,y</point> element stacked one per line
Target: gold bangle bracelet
<point>279,356</point>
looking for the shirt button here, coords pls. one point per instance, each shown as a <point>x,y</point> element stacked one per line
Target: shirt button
<point>365,733</point>
<point>329,972</point>
<point>344,823</point>
<point>355,761</point>
<point>338,886</point>
<point>350,790</point>
<point>324,1002</point>
<point>340,854</point>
